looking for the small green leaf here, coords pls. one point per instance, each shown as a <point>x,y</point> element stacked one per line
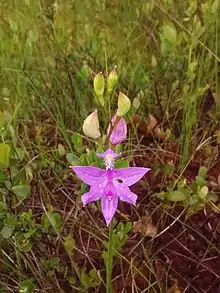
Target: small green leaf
<point>21,191</point>
<point>10,223</point>
<point>200,181</point>
<point>202,172</point>
<point>26,286</point>
<point>61,150</point>
<point>77,140</point>
<point>121,164</point>
<point>52,220</point>
<point>72,159</point>
<point>7,231</point>
<point>118,149</point>
<point>29,173</point>
<point>2,119</point>
<point>20,154</point>
<point>99,150</point>
<point>169,34</point>
<point>71,280</point>
<point>69,243</point>
<point>4,155</point>
<point>3,210</point>
<point>176,196</point>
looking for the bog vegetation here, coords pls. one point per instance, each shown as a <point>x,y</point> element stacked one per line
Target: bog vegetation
<point>166,57</point>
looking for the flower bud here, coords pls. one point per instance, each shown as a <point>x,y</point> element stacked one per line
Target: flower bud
<point>136,103</point>
<point>119,133</point>
<point>91,125</point>
<point>124,104</point>
<point>112,81</point>
<point>153,61</point>
<point>99,87</point>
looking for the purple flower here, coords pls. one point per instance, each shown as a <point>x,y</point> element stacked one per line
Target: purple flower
<point>110,184</point>
<point>119,132</point>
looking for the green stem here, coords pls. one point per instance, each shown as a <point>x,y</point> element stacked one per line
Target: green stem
<point>109,261</point>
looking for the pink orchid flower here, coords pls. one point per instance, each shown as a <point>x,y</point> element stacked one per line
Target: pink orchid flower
<point>110,184</point>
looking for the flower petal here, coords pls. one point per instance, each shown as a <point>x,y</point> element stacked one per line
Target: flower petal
<point>130,175</point>
<point>109,207</point>
<point>90,175</point>
<point>124,193</point>
<point>93,195</point>
<point>119,133</point>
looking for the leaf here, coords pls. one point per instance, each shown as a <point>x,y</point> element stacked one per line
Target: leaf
<point>3,210</point>
<point>21,191</point>
<point>200,181</point>
<point>52,220</point>
<point>169,33</point>
<point>71,280</point>
<point>176,196</point>
<point>69,243</point>
<point>2,119</point>
<point>121,164</point>
<point>7,231</point>
<point>20,154</point>
<point>145,227</point>
<point>4,155</point>
<point>61,150</point>
<point>73,159</point>
<point>202,172</point>
<point>29,173</point>
<point>26,286</point>
<point>77,140</point>
<point>215,6</point>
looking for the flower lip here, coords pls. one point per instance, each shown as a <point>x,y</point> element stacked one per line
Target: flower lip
<point>109,157</point>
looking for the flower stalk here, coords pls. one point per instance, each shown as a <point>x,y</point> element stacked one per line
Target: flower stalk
<point>109,262</point>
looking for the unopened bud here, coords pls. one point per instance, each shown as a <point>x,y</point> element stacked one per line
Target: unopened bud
<point>137,100</point>
<point>119,133</point>
<point>153,61</point>
<point>112,81</point>
<point>99,87</point>
<point>124,104</point>
<point>91,125</point>
<point>136,103</point>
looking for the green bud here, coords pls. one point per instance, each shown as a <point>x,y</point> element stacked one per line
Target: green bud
<point>124,104</point>
<point>153,61</point>
<point>136,103</point>
<point>99,87</point>
<point>112,81</point>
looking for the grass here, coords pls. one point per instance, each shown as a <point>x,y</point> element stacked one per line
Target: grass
<point>167,53</point>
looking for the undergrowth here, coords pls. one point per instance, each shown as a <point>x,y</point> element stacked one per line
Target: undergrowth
<point>166,55</point>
